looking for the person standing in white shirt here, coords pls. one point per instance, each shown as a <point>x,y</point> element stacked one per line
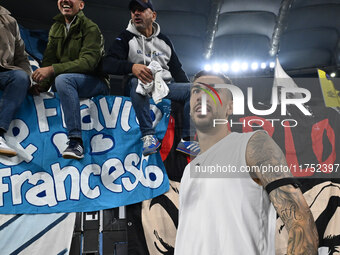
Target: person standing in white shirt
<point>234,214</point>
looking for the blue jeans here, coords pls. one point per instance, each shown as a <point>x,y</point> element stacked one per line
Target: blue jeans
<point>72,86</point>
<point>14,84</point>
<point>177,91</point>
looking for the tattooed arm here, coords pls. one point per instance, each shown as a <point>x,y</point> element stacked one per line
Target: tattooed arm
<point>287,200</point>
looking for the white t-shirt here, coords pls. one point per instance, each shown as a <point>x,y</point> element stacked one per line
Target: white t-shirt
<point>229,215</point>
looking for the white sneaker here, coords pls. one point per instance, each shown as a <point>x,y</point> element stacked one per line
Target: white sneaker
<point>5,150</point>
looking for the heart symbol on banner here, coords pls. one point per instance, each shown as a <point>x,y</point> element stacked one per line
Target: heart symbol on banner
<point>101,144</point>
<point>60,142</point>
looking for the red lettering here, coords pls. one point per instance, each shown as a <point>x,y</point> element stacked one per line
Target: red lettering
<point>317,142</point>
<point>291,157</point>
<point>168,140</point>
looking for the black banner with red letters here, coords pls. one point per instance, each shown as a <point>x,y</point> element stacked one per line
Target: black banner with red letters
<point>311,145</point>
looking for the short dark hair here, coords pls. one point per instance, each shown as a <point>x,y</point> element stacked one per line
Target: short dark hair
<point>201,73</point>
<point>220,75</point>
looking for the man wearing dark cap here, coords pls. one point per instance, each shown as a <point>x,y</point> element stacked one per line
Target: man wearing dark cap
<point>132,51</point>
<point>74,50</point>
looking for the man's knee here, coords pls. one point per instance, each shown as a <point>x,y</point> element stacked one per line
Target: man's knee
<point>132,84</point>
<point>21,80</point>
<point>187,92</point>
<point>62,81</point>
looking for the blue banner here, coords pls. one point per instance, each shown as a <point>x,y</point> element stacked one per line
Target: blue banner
<point>113,172</point>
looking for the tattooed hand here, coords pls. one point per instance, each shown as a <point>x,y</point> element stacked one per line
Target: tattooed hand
<point>287,200</point>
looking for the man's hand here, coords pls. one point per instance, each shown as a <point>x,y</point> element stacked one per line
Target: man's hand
<point>42,73</point>
<point>142,72</point>
<point>287,200</point>
<point>35,90</point>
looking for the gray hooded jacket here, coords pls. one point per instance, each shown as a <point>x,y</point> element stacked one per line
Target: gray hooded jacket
<point>131,47</point>
<point>12,48</point>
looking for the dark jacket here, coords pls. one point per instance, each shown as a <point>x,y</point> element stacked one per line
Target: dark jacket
<point>77,51</point>
<point>131,47</point>
<point>12,48</point>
